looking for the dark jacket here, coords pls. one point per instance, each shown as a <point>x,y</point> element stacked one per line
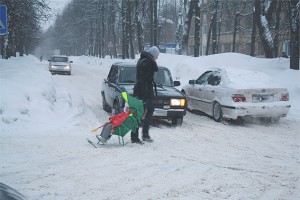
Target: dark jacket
<point>146,67</point>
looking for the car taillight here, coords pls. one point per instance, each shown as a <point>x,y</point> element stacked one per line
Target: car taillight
<point>285,97</point>
<point>238,98</point>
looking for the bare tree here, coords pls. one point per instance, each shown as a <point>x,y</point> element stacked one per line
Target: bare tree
<point>264,17</point>
<point>139,13</point>
<point>129,28</point>
<point>197,28</point>
<point>214,28</point>
<point>253,34</point>
<point>24,28</point>
<point>294,28</point>
<point>188,10</point>
<point>179,33</point>
<point>155,23</point>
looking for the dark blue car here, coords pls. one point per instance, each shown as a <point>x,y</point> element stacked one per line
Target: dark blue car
<point>169,103</point>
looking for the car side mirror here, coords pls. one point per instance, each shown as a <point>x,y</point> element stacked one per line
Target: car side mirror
<point>192,82</point>
<point>176,83</point>
<point>49,60</point>
<point>71,61</point>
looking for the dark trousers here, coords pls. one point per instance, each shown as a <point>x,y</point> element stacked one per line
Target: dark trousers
<point>149,108</point>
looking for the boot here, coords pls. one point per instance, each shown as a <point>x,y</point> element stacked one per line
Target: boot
<point>136,140</point>
<point>147,138</point>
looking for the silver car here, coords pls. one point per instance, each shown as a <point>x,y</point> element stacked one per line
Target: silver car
<point>231,93</point>
<point>60,65</point>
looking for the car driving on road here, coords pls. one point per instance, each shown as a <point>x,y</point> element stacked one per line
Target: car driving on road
<point>60,65</point>
<point>169,103</point>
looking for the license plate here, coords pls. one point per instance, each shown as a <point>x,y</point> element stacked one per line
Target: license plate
<point>262,98</point>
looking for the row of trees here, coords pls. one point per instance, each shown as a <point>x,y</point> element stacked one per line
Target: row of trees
<point>24,18</point>
<point>102,27</point>
<point>273,21</point>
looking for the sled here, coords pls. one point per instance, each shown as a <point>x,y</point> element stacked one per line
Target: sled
<point>136,108</point>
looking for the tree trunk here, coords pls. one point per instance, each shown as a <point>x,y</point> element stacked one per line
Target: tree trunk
<point>123,31</point>
<point>197,28</point>
<point>214,29</point>
<point>139,26</point>
<point>264,31</point>
<point>294,28</point>
<point>253,34</point>
<point>277,31</point>
<point>179,33</point>
<point>189,8</point>
<point>151,24</point>
<point>155,34</point>
<point>113,21</point>
<point>208,37</point>
<point>130,32</point>
<point>235,25</point>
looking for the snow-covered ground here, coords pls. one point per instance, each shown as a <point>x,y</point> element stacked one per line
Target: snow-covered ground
<point>46,119</point>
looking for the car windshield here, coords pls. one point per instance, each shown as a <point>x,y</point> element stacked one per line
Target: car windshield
<point>59,59</point>
<point>127,75</point>
<point>161,77</point>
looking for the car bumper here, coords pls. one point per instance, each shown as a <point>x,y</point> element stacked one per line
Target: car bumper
<point>60,70</point>
<point>262,110</point>
<point>170,113</point>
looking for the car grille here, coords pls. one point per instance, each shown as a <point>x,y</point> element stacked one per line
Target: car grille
<point>160,103</point>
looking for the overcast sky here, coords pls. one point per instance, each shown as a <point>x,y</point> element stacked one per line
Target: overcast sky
<point>57,7</point>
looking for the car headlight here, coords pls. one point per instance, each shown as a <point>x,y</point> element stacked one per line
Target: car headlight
<point>53,66</point>
<point>178,102</point>
<point>68,67</point>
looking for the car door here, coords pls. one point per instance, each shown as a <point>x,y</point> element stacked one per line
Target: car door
<point>111,82</point>
<point>196,92</point>
<point>209,91</point>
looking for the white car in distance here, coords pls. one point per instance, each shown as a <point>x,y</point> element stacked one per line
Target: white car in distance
<point>59,64</point>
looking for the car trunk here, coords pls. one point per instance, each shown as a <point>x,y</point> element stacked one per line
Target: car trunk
<point>263,94</point>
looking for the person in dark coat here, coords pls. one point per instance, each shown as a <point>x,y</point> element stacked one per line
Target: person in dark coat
<point>143,90</point>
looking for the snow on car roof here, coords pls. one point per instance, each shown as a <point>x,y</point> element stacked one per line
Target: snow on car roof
<point>243,78</point>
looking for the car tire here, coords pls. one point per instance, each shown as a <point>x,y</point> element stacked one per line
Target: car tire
<point>105,106</point>
<point>177,121</point>
<point>217,112</point>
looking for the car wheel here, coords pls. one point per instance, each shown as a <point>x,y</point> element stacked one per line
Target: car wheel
<point>105,106</point>
<point>217,112</point>
<point>177,121</point>
<point>69,73</point>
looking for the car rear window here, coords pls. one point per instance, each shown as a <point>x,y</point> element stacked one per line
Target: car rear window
<point>59,59</point>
